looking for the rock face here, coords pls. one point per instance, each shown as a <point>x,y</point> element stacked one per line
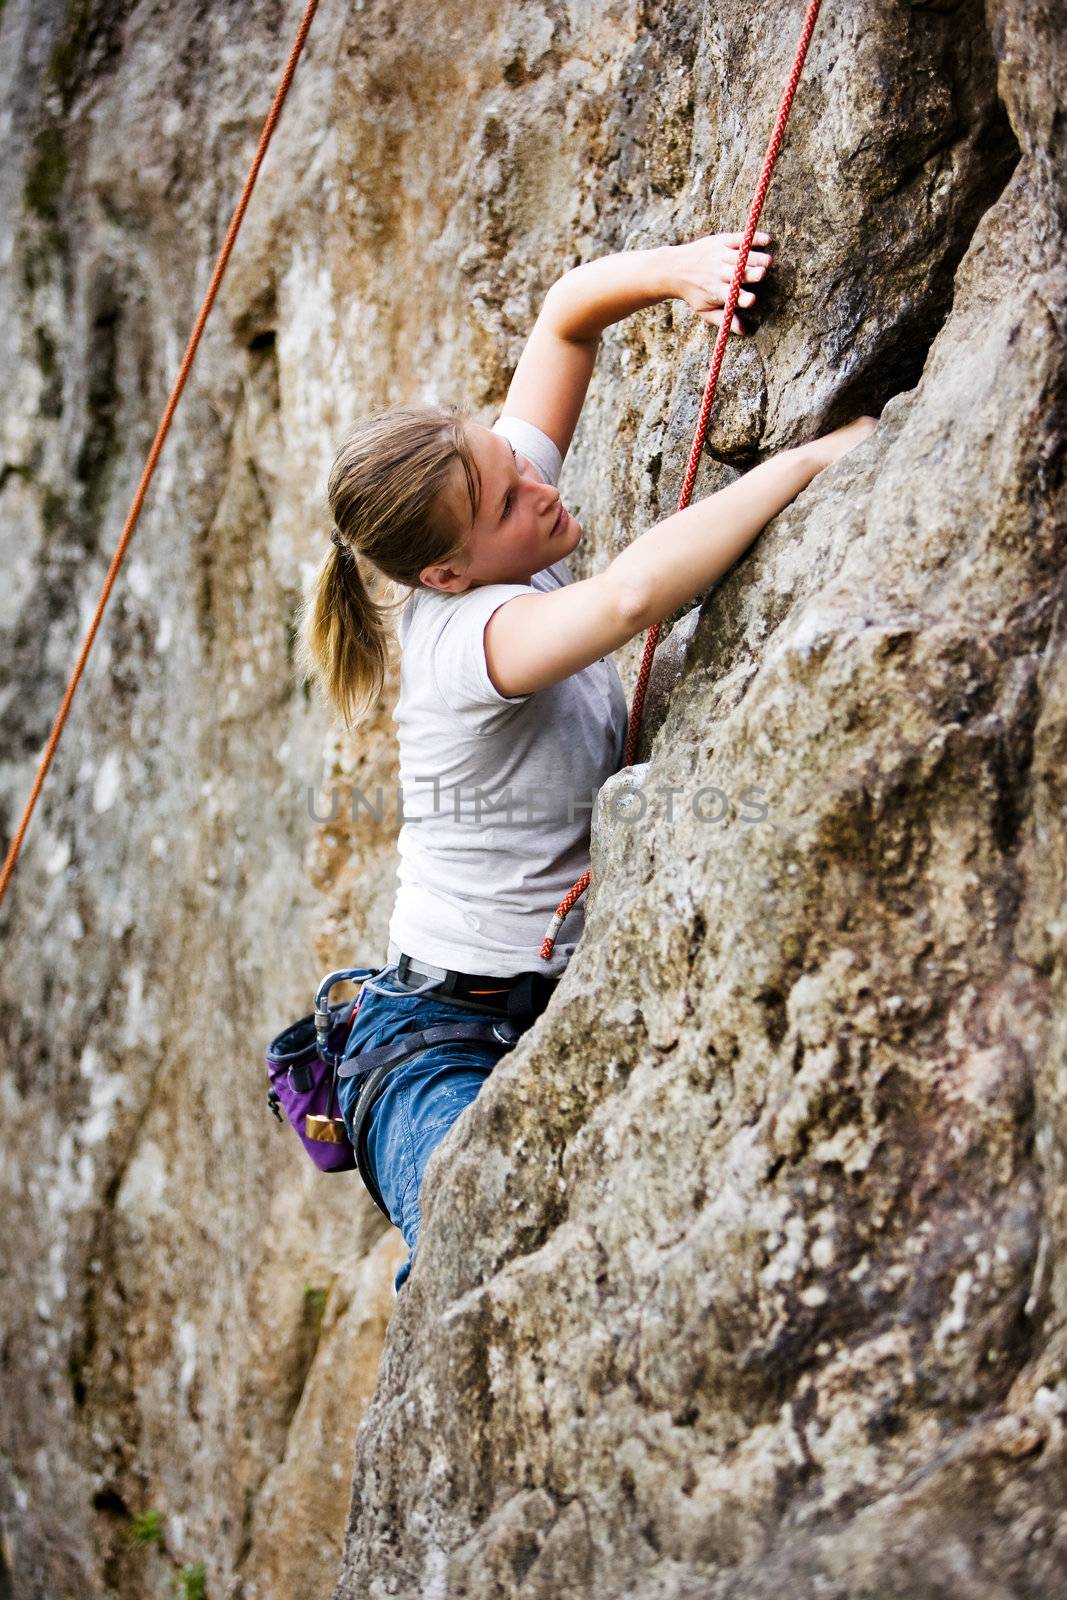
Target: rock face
<point>745,1273</point>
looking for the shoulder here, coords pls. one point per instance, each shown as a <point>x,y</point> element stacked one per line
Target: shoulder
<point>456,646</point>
<point>535,445</point>
<point>557,576</point>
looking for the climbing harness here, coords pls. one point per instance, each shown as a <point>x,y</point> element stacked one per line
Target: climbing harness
<point>307,1060</point>
<point>375,1067</point>
<point>578,888</point>
<point>161,434</point>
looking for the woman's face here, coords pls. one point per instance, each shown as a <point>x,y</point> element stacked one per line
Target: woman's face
<point>520,526</point>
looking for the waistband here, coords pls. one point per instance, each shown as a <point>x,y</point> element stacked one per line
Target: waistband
<point>527,991</point>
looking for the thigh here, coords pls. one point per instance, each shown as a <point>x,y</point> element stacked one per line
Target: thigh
<point>385,1019</point>
<point>423,1095</point>
<point>441,1085</point>
<point>422,1100</point>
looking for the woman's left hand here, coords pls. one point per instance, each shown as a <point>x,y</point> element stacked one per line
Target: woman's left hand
<point>703,270</point>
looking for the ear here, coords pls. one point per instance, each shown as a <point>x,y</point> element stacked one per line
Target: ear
<point>447,579</point>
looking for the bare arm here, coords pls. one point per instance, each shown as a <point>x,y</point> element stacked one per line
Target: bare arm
<point>539,639</point>
<point>686,553</point>
<point>552,377</point>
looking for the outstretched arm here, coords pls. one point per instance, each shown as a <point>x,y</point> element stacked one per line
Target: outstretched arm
<point>551,379</point>
<point>540,638</point>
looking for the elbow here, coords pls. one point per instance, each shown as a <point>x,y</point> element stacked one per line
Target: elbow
<point>633,605</point>
<point>554,306</point>
<point>566,313</point>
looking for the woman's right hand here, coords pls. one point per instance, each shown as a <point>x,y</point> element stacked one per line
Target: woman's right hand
<point>830,447</point>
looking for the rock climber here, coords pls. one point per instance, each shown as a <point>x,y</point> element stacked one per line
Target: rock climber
<point>511,713</point>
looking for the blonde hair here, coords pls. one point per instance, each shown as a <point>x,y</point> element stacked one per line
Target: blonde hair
<point>383,493</point>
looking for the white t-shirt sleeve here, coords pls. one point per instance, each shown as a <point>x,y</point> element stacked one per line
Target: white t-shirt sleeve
<point>536,446</point>
<point>459,666</point>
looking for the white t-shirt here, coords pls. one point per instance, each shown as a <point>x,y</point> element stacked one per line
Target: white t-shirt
<point>497,791</point>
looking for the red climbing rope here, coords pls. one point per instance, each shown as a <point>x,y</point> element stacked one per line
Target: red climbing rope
<point>577,889</point>
<point>164,429</point>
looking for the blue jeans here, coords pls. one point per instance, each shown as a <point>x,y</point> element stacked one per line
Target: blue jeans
<point>423,1095</point>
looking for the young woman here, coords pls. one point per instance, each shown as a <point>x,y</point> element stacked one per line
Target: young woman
<point>511,713</point>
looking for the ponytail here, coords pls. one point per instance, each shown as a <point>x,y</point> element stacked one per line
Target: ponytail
<point>342,638</point>
<point>383,493</point>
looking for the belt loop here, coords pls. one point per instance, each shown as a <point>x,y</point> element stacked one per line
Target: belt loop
<point>445,986</point>
<point>521,997</point>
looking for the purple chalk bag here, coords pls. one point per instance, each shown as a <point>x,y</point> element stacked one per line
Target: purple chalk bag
<point>302,1067</point>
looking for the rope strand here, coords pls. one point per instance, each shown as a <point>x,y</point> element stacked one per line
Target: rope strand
<point>161,434</point>
<point>577,889</point>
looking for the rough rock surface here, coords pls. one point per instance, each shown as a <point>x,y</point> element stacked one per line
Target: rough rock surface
<point>745,1273</point>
